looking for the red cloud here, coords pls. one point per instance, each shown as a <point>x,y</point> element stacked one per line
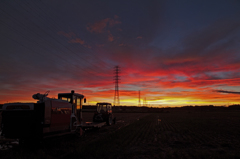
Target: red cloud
<point>77,40</point>
<point>99,26</point>
<point>71,35</point>
<point>184,75</point>
<point>100,45</point>
<point>103,26</point>
<point>67,35</point>
<point>110,37</point>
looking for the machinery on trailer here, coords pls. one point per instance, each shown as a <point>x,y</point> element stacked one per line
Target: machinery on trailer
<point>104,113</point>
<point>47,117</point>
<point>102,116</point>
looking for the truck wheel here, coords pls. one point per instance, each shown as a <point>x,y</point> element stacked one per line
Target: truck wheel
<point>109,120</point>
<point>94,118</point>
<point>114,120</point>
<point>30,142</point>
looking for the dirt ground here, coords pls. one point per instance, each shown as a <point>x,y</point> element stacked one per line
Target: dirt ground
<point>60,147</point>
<point>174,134</point>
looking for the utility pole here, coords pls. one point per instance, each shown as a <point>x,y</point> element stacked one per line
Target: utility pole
<point>116,79</point>
<point>145,101</point>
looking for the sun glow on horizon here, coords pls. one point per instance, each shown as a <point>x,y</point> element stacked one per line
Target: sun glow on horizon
<point>165,98</point>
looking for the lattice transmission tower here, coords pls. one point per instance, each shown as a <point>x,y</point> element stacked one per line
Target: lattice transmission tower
<point>116,79</point>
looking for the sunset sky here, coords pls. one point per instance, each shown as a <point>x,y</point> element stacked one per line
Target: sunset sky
<point>176,52</point>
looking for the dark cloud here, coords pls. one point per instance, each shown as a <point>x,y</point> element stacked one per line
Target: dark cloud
<point>199,42</point>
<point>222,91</point>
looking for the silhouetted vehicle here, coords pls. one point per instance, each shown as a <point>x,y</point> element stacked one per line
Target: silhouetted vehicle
<point>104,113</point>
<point>47,117</point>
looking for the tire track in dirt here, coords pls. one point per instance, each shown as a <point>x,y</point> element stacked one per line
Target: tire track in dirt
<point>140,129</point>
<point>146,137</point>
<point>139,133</point>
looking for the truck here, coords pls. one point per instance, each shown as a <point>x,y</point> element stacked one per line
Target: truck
<point>47,117</point>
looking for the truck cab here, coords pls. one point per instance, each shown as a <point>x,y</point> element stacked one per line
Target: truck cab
<point>76,100</point>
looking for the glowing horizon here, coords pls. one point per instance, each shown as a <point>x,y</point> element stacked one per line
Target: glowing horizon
<point>165,101</point>
<point>175,53</point>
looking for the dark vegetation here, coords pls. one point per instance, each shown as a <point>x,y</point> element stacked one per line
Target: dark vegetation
<point>144,109</point>
<point>189,132</point>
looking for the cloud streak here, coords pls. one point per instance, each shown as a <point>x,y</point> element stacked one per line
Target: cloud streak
<point>103,25</point>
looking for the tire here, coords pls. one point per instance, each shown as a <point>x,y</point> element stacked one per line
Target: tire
<point>94,120</point>
<point>30,142</point>
<point>109,120</point>
<point>114,120</point>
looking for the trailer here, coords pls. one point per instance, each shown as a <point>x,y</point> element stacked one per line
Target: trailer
<point>90,125</point>
<point>46,118</point>
<point>102,116</point>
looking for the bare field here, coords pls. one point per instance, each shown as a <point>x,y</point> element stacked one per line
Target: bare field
<point>127,117</point>
<point>178,134</point>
